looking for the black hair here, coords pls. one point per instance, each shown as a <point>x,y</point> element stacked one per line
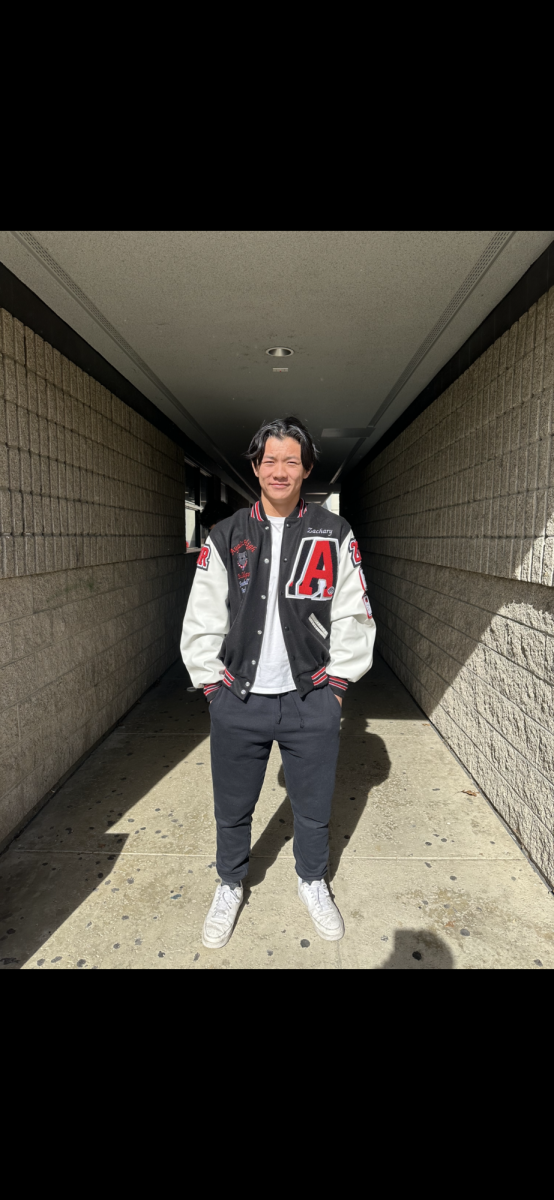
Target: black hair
<point>283,427</point>
<point>214,511</point>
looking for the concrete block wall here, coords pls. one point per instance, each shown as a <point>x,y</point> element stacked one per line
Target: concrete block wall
<point>456,523</point>
<point>470,483</point>
<point>92,566</point>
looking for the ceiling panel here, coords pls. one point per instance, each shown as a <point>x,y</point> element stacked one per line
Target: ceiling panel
<point>201,307</point>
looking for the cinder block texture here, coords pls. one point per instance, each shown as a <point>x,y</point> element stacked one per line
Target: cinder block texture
<point>93,575</point>
<point>456,523</point>
<point>83,478</point>
<point>470,483</point>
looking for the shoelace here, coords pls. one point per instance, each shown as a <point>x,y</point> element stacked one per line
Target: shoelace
<point>322,897</point>
<point>222,903</point>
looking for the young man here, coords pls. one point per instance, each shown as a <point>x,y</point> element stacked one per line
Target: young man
<point>278,622</point>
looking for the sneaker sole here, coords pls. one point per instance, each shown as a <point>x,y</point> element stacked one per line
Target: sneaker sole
<point>216,943</point>
<point>324,933</point>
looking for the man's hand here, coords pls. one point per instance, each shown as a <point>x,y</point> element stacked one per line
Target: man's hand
<point>339,698</point>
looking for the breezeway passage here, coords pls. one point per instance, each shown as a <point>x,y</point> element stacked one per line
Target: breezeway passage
<point>117,870</point>
<point>135,366</point>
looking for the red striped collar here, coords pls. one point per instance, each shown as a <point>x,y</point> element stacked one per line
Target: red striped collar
<point>257,513</point>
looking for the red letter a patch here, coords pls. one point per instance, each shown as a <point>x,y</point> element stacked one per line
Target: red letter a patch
<point>315,570</point>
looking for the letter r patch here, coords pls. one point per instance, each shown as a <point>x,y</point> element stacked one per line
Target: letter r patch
<point>203,560</point>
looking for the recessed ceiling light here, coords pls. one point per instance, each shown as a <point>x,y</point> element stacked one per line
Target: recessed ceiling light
<point>280,351</point>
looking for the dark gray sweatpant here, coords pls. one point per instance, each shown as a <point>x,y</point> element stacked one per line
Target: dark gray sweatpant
<point>307,732</point>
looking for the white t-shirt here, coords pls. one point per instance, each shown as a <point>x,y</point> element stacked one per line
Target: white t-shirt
<point>274,673</point>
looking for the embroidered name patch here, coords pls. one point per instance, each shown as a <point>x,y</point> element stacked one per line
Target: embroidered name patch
<point>244,546</point>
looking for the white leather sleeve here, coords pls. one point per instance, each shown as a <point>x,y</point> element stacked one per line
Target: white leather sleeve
<point>206,621</point>
<point>352,626</point>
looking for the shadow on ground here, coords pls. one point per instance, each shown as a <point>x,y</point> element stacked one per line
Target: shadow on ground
<point>69,849</point>
<point>418,950</point>
<point>363,764</point>
<point>40,891</point>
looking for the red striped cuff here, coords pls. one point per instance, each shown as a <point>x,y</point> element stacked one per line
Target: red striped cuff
<point>210,690</point>
<point>338,685</point>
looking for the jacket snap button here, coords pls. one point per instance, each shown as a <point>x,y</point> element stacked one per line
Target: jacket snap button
<point>266,527</point>
<point>286,628</point>
<point>248,685</point>
<point>264,597</point>
<point>253,662</point>
<point>266,560</point>
<point>285,560</point>
<point>242,692</point>
<point>259,633</point>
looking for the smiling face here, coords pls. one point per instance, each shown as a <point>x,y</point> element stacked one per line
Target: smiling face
<point>281,475</point>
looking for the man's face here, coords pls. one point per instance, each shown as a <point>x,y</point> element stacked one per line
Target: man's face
<point>281,472</point>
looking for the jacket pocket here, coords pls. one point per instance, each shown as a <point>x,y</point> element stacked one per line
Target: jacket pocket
<point>334,702</point>
<point>220,689</point>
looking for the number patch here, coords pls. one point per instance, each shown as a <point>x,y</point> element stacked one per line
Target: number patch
<point>354,552</point>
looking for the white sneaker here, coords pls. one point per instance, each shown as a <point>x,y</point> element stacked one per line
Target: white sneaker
<point>325,915</point>
<point>222,915</point>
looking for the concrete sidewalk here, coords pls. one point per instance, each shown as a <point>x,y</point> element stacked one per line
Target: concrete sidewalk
<point>117,871</point>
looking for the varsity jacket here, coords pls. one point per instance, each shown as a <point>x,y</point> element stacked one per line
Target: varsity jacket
<point>324,608</point>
